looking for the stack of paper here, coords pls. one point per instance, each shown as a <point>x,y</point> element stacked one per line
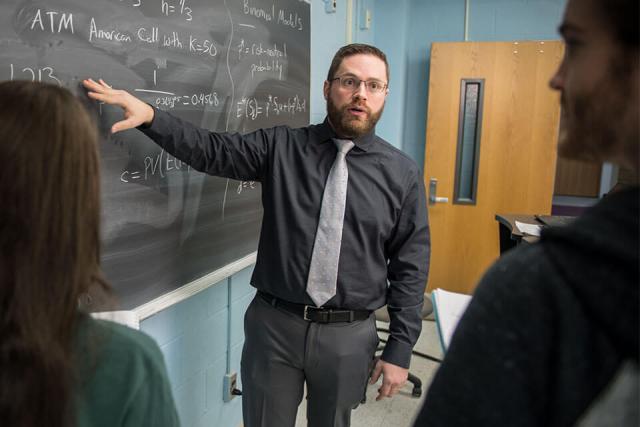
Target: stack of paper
<point>448,308</point>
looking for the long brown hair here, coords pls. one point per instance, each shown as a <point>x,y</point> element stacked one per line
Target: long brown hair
<point>49,247</point>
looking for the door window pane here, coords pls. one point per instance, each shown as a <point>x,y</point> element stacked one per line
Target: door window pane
<point>468,152</point>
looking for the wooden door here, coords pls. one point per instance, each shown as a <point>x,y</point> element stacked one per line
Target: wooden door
<point>515,155</point>
<point>577,178</point>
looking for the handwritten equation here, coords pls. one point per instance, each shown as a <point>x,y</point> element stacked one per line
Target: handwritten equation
<point>198,100</point>
<point>258,50</point>
<point>252,108</point>
<point>246,185</point>
<point>181,9</point>
<point>158,165</point>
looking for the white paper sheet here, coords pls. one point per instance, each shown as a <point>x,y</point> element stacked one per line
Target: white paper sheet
<point>530,229</point>
<point>449,308</point>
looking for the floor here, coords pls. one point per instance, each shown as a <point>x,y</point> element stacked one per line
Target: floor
<point>400,410</point>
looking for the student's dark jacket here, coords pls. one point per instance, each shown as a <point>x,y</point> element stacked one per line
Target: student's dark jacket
<point>550,327</point>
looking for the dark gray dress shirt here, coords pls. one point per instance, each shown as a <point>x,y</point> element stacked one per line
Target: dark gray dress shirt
<point>384,257</point>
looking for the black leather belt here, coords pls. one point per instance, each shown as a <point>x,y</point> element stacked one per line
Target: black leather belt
<point>311,313</point>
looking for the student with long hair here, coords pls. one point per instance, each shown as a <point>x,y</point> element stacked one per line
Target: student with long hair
<point>58,366</point>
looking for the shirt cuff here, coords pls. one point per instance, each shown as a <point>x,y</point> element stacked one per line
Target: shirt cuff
<point>397,353</point>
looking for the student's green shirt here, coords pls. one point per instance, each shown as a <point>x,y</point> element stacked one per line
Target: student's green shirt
<point>122,378</point>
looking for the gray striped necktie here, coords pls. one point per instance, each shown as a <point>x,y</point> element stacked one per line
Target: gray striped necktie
<point>323,271</point>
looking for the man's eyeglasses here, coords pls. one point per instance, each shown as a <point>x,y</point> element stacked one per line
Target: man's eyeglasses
<point>352,83</point>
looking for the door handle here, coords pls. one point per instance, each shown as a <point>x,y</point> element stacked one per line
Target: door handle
<point>433,187</point>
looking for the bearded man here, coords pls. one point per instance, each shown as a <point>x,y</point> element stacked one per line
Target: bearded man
<point>329,255</point>
<point>551,335</point>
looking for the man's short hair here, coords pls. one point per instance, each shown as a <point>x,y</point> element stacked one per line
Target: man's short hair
<point>355,49</point>
<point>621,17</point>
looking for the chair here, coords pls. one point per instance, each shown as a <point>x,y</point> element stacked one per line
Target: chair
<point>382,315</point>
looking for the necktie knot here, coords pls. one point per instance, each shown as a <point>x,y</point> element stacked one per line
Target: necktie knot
<point>343,145</point>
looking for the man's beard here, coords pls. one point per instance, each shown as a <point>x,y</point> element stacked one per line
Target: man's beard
<point>351,127</point>
<point>602,125</point>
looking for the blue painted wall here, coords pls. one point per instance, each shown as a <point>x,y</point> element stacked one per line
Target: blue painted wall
<point>391,36</point>
<point>201,339</point>
<point>405,29</point>
<point>328,34</point>
<point>363,29</point>
<point>514,19</point>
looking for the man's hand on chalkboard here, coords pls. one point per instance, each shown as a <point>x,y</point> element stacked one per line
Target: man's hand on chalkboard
<point>136,112</point>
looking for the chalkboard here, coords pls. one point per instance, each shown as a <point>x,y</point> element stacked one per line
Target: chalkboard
<point>226,65</point>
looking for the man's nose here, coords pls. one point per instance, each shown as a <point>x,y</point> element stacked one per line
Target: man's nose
<point>557,80</point>
<point>361,91</point>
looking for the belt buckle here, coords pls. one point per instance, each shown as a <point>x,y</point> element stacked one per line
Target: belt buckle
<point>311,308</point>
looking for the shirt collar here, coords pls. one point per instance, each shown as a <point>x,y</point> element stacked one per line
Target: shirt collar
<point>326,133</point>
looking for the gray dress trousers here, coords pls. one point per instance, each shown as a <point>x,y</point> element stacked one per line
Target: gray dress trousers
<point>282,351</point>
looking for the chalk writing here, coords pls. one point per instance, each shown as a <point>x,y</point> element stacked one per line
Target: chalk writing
<point>246,185</point>
<point>134,3</point>
<point>111,35</point>
<point>182,9</point>
<point>197,99</point>
<point>148,35</point>
<point>157,165</point>
<point>249,108</point>
<point>64,21</point>
<point>39,74</point>
<point>202,47</point>
<point>258,12</point>
<point>252,108</point>
<point>257,49</point>
<point>284,17</point>
<point>172,40</point>
<point>128,176</point>
<point>273,66</point>
<point>289,19</point>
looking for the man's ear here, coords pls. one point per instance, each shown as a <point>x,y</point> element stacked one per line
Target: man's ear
<point>325,89</point>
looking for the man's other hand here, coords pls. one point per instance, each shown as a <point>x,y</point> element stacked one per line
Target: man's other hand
<point>393,378</point>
